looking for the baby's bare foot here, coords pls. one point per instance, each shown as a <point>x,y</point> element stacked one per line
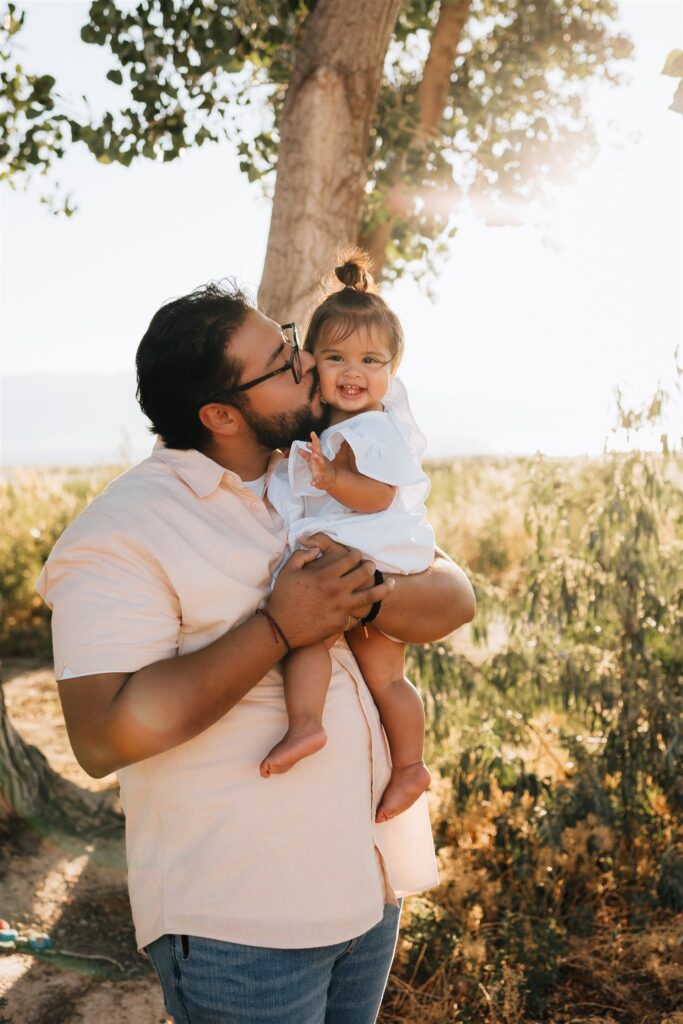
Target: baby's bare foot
<point>302,739</point>
<point>405,786</point>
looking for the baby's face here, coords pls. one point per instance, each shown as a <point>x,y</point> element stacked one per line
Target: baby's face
<point>354,373</point>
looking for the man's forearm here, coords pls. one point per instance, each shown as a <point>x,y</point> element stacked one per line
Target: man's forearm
<point>429,605</point>
<point>117,719</point>
<point>166,703</point>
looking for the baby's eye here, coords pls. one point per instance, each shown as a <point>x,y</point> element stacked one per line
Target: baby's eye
<point>333,359</point>
<point>370,359</point>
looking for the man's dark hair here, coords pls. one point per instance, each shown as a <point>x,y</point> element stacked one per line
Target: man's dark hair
<point>182,361</point>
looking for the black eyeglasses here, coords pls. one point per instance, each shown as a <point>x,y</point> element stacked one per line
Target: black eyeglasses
<point>290,336</point>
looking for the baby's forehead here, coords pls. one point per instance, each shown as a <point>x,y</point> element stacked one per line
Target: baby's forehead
<point>367,336</point>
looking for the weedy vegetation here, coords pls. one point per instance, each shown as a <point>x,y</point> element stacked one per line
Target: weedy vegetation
<point>555,735</point>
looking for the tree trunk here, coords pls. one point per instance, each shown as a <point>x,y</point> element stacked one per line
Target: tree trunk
<point>432,95</point>
<point>32,791</point>
<point>322,159</point>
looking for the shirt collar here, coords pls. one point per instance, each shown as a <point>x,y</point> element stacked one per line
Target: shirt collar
<point>200,472</point>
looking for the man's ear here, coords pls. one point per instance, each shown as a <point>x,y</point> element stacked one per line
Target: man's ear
<point>223,420</point>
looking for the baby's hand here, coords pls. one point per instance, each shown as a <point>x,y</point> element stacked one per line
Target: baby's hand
<point>323,472</point>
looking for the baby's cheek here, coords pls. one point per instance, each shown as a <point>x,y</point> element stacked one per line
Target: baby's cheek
<point>327,386</point>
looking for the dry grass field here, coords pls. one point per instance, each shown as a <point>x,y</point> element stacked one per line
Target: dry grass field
<point>554,738</point>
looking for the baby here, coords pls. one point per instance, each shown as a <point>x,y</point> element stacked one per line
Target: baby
<point>362,484</point>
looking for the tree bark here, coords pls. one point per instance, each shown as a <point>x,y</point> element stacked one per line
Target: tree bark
<point>322,159</point>
<point>432,95</point>
<point>32,791</point>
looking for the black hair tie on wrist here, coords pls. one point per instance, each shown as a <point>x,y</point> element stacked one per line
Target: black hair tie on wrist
<point>374,611</point>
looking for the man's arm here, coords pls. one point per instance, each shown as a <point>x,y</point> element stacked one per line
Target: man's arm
<point>429,605</point>
<point>422,607</point>
<point>118,719</point>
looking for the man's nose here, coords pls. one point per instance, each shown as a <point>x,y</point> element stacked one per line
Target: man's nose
<point>307,361</point>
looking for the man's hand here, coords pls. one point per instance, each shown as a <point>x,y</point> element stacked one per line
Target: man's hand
<point>318,589</point>
<point>323,471</point>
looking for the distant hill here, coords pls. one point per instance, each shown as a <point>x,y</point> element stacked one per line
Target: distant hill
<point>86,419</point>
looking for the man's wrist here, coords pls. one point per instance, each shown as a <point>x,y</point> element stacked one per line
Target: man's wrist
<point>372,614</point>
<point>387,603</point>
<point>276,629</point>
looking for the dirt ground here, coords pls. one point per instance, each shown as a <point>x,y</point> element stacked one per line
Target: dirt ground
<point>74,891</point>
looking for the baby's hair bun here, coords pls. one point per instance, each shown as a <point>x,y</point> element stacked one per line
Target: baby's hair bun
<point>354,270</point>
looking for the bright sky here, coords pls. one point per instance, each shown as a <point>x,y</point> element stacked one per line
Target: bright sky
<point>532,326</point>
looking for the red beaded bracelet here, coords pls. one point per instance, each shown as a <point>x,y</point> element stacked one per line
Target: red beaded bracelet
<point>277,632</point>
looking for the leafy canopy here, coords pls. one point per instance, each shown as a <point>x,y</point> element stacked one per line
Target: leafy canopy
<point>191,72</point>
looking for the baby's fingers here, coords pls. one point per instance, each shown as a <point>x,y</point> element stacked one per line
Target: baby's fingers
<point>316,468</point>
<point>314,444</point>
<point>316,460</point>
<point>312,458</point>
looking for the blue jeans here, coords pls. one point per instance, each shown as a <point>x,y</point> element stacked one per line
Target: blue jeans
<point>206,981</point>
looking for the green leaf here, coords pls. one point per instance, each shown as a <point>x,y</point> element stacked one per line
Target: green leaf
<point>115,76</point>
<point>43,84</point>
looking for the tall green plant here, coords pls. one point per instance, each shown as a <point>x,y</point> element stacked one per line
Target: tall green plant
<point>595,651</point>
<point>599,617</point>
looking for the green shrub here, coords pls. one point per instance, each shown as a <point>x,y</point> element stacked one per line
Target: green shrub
<point>36,506</point>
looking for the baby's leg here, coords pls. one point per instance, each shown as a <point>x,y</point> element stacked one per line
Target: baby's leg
<point>307,672</point>
<point>400,708</point>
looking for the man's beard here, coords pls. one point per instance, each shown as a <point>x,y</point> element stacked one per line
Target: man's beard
<point>280,431</point>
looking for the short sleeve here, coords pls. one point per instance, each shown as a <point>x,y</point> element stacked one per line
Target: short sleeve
<point>397,405</point>
<point>380,451</point>
<point>289,506</point>
<point>300,485</point>
<point>113,608</point>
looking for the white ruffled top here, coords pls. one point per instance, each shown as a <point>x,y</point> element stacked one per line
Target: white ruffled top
<point>387,446</point>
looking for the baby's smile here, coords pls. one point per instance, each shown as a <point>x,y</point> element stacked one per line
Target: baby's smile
<point>354,372</point>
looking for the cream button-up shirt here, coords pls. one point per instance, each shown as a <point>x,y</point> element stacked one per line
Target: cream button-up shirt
<point>172,555</point>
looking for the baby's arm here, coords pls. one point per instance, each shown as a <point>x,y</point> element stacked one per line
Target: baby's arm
<point>343,482</point>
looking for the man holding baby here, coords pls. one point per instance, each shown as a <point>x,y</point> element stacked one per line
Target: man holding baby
<point>259,900</point>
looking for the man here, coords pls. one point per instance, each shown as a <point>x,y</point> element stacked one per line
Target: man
<point>258,900</point>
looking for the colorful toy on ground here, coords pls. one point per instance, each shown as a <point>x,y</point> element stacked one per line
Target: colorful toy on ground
<point>10,939</point>
<point>39,940</point>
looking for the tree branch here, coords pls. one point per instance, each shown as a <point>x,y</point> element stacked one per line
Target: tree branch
<point>432,95</point>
